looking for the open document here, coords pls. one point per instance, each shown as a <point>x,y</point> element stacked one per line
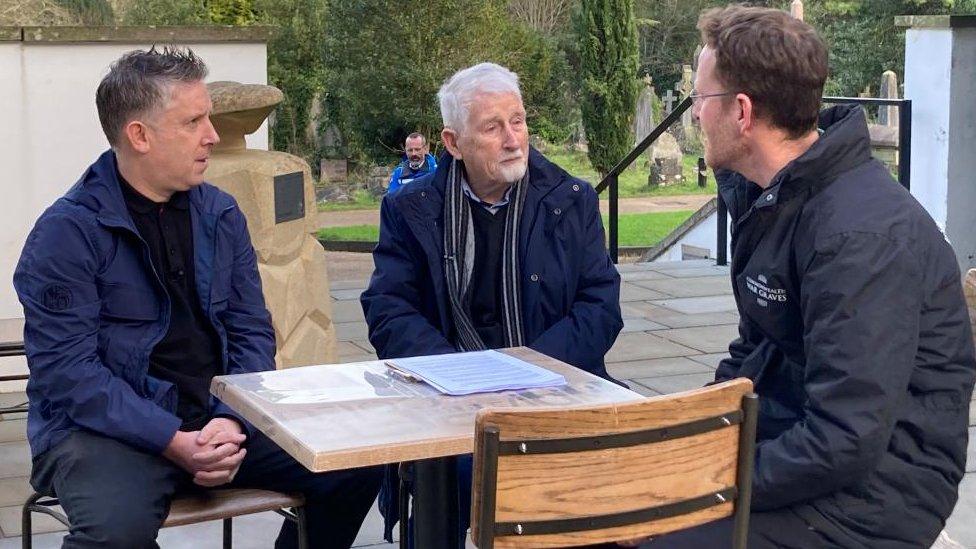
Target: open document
<point>476,372</point>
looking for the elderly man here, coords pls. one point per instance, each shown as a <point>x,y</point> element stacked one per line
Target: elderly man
<point>418,162</point>
<point>853,328</point>
<point>498,248</point>
<point>138,286</point>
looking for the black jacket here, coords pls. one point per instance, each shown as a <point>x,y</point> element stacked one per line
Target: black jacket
<point>855,332</point>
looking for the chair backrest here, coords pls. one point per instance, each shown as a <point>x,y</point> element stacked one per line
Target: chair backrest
<point>578,476</point>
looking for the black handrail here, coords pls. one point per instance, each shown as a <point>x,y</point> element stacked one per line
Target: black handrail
<point>904,130</point>
<point>611,178</point>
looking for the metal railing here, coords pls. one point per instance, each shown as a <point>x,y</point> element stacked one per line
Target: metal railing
<point>610,181</point>
<point>904,129</point>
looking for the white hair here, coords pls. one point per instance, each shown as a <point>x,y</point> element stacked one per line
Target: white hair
<point>459,91</point>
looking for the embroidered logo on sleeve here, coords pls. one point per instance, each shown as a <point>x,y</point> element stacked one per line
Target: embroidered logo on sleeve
<point>764,294</point>
<point>57,297</point>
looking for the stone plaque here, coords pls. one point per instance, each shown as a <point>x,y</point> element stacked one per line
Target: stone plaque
<point>289,197</point>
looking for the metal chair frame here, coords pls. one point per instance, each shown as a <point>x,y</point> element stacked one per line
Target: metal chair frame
<point>39,503</point>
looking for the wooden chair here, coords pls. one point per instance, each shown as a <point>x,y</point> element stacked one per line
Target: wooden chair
<point>578,476</point>
<point>203,506</point>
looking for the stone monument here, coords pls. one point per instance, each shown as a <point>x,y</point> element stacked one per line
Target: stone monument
<point>275,192</point>
<point>888,115</point>
<point>664,155</point>
<point>796,9</point>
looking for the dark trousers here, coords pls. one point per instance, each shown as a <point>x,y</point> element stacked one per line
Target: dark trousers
<point>780,529</point>
<point>117,496</point>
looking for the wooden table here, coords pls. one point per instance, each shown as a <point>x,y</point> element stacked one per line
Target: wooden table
<point>341,416</point>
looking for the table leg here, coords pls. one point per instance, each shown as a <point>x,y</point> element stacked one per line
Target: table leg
<point>435,505</point>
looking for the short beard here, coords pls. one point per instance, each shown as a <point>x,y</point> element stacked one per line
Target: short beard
<point>511,174</point>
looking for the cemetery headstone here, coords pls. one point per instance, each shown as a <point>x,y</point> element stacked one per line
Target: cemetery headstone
<point>888,116</point>
<point>796,9</point>
<point>644,113</point>
<point>669,100</point>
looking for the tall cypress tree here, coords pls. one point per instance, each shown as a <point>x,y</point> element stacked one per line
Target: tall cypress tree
<point>608,64</point>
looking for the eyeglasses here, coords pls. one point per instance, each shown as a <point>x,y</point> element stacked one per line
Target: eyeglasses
<point>697,97</point>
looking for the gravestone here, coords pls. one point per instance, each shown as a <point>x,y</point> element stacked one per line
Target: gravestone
<point>664,155</point>
<point>666,168</point>
<point>888,116</point>
<point>274,191</point>
<point>669,100</point>
<point>644,113</point>
<point>334,170</point>
<point>686,86</point>
<point>796,9</point>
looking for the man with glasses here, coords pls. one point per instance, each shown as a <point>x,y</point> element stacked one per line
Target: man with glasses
<point>853,324</point>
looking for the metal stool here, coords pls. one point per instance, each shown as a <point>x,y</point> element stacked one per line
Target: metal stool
<point>192,508</point>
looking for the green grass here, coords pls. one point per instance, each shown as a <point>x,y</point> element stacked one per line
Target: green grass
<point>635,229</point>
<point>647,229</point>
<point>362,200</point>
<point>364,233</point>
<point>633,182</point>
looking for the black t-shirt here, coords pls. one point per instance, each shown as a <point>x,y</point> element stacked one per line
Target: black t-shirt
<point>485,295</point>
<point>189,354</point>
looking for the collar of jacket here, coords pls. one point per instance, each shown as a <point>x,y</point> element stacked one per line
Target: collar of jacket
<point>99,190</point>
<point>844,145</point>
<point>422,202</point>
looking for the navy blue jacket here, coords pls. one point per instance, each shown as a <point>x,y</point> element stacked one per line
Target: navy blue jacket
<point>855,333</point>
<point>94,308</point>
<point>570,288</point>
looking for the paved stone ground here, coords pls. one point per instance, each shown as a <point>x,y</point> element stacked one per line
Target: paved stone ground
<point>678,320</point>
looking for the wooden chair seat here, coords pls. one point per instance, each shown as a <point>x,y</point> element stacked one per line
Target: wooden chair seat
<point>221,504</point>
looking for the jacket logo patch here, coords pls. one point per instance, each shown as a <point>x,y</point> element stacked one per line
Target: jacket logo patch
<point>57,297</point>
<point>764,294</point>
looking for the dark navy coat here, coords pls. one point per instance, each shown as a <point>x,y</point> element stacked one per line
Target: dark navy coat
<point>570,288</point>
<point>856,335</point>
<point>95,307</point>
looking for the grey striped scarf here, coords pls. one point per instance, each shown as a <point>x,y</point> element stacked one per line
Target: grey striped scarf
<point>459,261</point>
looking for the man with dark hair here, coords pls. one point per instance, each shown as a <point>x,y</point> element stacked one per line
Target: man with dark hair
<point>853,325</point>
<point>418,162</point>
<point>138,286</point>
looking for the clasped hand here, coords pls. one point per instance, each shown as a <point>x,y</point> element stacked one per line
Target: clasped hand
<point>212,455</point>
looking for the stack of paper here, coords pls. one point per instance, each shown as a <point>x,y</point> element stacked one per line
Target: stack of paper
<point>477,372</point>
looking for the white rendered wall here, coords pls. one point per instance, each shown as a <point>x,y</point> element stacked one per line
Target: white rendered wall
<point>51,132</point>
<point>928,54</point>
<point>962,148</point>
<point>940,79</point>
<point>703,235</point>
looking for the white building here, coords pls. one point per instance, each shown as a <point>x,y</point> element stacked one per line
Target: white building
<point>48,77</point>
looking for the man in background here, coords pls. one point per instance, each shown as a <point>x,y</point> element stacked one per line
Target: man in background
<point>418,163</point>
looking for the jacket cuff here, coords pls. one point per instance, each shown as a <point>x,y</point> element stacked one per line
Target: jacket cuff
<point>159,435</point>
<point>222,410</point>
